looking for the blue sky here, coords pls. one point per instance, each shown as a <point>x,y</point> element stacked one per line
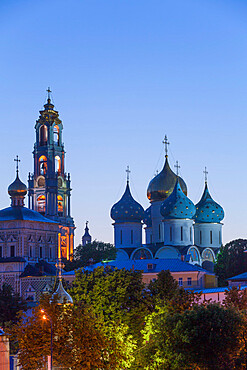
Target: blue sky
<point>123,74</point>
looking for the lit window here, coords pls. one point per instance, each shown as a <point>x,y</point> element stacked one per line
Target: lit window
<point>42,165</point>
<point>41,203</point>
<point>180,281</point>
<point>56,134</point>
<point>60,203</point>
<point>42,135</point>
<point>58,164</point>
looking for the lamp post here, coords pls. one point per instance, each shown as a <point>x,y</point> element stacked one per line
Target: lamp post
<point>47,317</point>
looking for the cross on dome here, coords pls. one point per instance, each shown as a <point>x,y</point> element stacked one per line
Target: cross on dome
<point>17,160</point>
<point>206,175</point>
<point>49,94</point>
<point>177,167</point>
<point>128,173</point>
<point>166,143</point>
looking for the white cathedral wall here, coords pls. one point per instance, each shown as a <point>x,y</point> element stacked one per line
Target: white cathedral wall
<point>128,234</point>
<point>208,235</point>
<point>157,229</point>
<point>148,235</point>
<point>178,232</point>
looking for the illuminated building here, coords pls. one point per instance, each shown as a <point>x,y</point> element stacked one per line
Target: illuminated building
<point>174,226</point>
<point>49,188</point>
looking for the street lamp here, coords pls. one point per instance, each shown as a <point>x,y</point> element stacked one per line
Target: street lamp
<point>47,317</point>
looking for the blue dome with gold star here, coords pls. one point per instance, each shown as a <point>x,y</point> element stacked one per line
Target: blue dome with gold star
<point>177,205</point>
<point>147,217</point>
<point>127,209</point>
<point>207,210</point>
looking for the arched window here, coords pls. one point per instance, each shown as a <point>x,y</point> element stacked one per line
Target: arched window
<point>142,254</point>
<point>56,134</point>
<point>41,203</point>
<point>43,135</point>
<point>42,165</point>
<point>58,164</point>
<point>60,203</point>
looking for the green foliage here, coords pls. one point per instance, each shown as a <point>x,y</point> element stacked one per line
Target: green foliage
<point>10,304</point>
<point>96,251</point>
<point>119,295</point>
<point>203,337</point>
<point>164,287</point>
<point>80,339</point>
<point>231,260</point>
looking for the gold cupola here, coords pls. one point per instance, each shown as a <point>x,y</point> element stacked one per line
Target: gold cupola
<point>162,185</point>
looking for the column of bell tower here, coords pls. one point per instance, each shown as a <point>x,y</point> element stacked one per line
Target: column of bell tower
<point>49,189</point>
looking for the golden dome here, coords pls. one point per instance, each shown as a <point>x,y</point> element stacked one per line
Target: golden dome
<point>17,188</point>
<point>162,185</point>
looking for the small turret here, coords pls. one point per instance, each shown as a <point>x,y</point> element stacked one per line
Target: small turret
<point>86,238</point>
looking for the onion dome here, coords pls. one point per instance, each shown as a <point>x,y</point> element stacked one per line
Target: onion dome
<point>127,209</point>
<point>17,188</point>
<point>177,205</point>
<point>62,296</point>
<point>147,217</point>
<point>207,210</point>
<point>162,185</point>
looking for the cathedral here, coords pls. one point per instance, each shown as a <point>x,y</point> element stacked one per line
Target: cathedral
<point>175,228</point>
<point>34,239</point>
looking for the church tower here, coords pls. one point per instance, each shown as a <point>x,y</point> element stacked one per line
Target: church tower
<point>49,189</point>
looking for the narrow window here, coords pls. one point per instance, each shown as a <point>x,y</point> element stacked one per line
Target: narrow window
<point>40,252</point>
<point>219,238</point>
<point>189,281</point>
<point>211,237</point>
<point>131,236</point>
<point>56,135</point>
<point>42,135</point>
<point>159,231</point>
<point>1,251</point>
<point>30,251</point>
<point>12,251</point>
<point>182,233</point>
<point>170,234</point>
<point>200,237</point>
<point>191,234</point>
<point>121,237</point>
<point>50,253</point>
<point>151,238</point>
<point>180,281</point>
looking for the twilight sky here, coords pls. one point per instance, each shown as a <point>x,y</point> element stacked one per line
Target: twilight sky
<point>124,73</point>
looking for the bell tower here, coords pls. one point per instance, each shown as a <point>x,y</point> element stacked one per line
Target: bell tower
<point>49,189</point>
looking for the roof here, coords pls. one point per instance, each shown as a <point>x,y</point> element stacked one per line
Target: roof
<point>12,259</point>
<point>171,264</point>
<point>41,268</point>
<point>216,290</point>
<point>22,213</point>
<point>242,276</point>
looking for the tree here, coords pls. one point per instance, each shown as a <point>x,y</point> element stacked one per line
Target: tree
<point>231,260</point>
<point>120,296</point>
<point>204,337</point>
<point>80,339</point>
<point>10,304</point>
<point>94,252</point>
<point>164,287</point>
